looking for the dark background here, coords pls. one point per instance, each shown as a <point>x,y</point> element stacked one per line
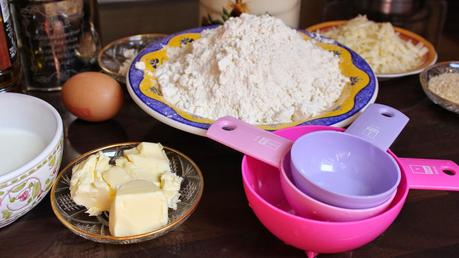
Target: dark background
<point>167,16</point>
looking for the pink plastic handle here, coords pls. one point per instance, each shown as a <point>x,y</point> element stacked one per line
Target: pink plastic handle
<point>250,140</point>
<point>431,174</point>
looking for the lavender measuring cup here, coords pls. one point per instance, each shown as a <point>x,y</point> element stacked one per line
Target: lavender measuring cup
<point>369,173</point>
<point>351,169</point>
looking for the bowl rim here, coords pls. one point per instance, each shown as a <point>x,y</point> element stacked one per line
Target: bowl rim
<point>330,208</point>
<point>117,41</point>
<point>332,193</point>
<point>89,235</point>
<point>402,31</point>
<point>51,145</point>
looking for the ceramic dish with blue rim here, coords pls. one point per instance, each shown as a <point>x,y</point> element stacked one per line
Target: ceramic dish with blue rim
<point>145,90</point>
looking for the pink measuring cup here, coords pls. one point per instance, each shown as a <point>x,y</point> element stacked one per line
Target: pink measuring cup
<point>269,201</point>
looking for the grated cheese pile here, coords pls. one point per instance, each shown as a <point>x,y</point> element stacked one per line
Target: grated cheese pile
<point>254,68</point>
<point>379,45</point>
<point>446,85</point>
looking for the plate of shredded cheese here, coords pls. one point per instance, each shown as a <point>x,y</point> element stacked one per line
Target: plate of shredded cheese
<point>254,68</point>
<point>392,52</point>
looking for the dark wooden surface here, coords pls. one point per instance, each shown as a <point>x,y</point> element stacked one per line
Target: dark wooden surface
<point>224,225</point>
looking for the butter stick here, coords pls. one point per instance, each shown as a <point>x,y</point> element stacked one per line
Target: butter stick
<point>138,207</point>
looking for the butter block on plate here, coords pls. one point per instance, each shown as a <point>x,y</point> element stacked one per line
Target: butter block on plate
<point>116,176</point>
<point>138,207</point>
<point>147,161</point>
<point>88,188</point>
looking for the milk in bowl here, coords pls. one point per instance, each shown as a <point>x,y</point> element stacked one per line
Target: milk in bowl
<point>17,147</point>
<point>31,136</point>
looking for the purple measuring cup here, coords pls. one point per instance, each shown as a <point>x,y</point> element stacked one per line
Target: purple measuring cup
<point>351,169</point>
<point>336,168</point>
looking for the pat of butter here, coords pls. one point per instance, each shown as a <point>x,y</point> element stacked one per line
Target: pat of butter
<point>88,188</point>
<point>147,161</point>
<point>148,149</point>
<point>116,176</point>
<point>138,207</point>
<point>95,182</point>
<point>170,184</point>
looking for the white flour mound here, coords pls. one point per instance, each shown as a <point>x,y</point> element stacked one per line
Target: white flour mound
<point>254,68</point>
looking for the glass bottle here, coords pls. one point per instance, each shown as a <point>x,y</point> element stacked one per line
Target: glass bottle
<point>9,61</point>
<point>59,38</point>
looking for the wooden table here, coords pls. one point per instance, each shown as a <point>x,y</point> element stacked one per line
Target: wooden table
<point>224,225</point>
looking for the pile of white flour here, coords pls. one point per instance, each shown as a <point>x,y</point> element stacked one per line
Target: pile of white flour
<point>254,68</point>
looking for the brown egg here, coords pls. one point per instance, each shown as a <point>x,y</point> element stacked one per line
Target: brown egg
<point>92,96</point>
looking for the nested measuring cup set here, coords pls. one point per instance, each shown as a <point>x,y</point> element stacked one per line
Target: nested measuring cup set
<point>329,175</point>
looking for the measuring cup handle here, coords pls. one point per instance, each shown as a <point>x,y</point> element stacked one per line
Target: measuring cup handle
<point>431,174</point>
<point>249,140</point>
<point>379,124</point>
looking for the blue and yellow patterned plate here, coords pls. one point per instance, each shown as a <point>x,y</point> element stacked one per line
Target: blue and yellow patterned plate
<point>146,92</point>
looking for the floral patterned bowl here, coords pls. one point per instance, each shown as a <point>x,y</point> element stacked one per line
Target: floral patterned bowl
<point>146,91</point>
<point>95,228</point>
<point>24,187</point>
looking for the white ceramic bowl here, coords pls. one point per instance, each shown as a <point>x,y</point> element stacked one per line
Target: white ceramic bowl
<point>24,187</point>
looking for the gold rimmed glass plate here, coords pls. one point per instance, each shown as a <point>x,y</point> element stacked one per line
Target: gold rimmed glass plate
<point>95,228</point>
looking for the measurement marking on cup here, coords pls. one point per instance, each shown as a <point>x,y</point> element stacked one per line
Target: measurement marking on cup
<point>420,169</point>
<point>274,145</point>
<point>371,131</point>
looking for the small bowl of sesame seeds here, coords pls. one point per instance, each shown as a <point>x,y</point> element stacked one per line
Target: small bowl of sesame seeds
<point>440,82</point>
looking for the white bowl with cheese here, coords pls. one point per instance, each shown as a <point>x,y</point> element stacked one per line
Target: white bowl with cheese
<point>31,143</point>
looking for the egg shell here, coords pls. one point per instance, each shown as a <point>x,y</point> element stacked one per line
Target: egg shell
<point>92,96</point>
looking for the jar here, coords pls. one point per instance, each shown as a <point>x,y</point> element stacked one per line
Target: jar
<point>9,61</point>
<point>218,11</point>
<point>58,38</point>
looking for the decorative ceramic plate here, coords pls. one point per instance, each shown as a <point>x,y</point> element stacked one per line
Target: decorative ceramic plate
<point>429,58</point>
<point>435,70</point>
<point>111,58</point>
<point>95,228</point>
<point>146,92</point>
